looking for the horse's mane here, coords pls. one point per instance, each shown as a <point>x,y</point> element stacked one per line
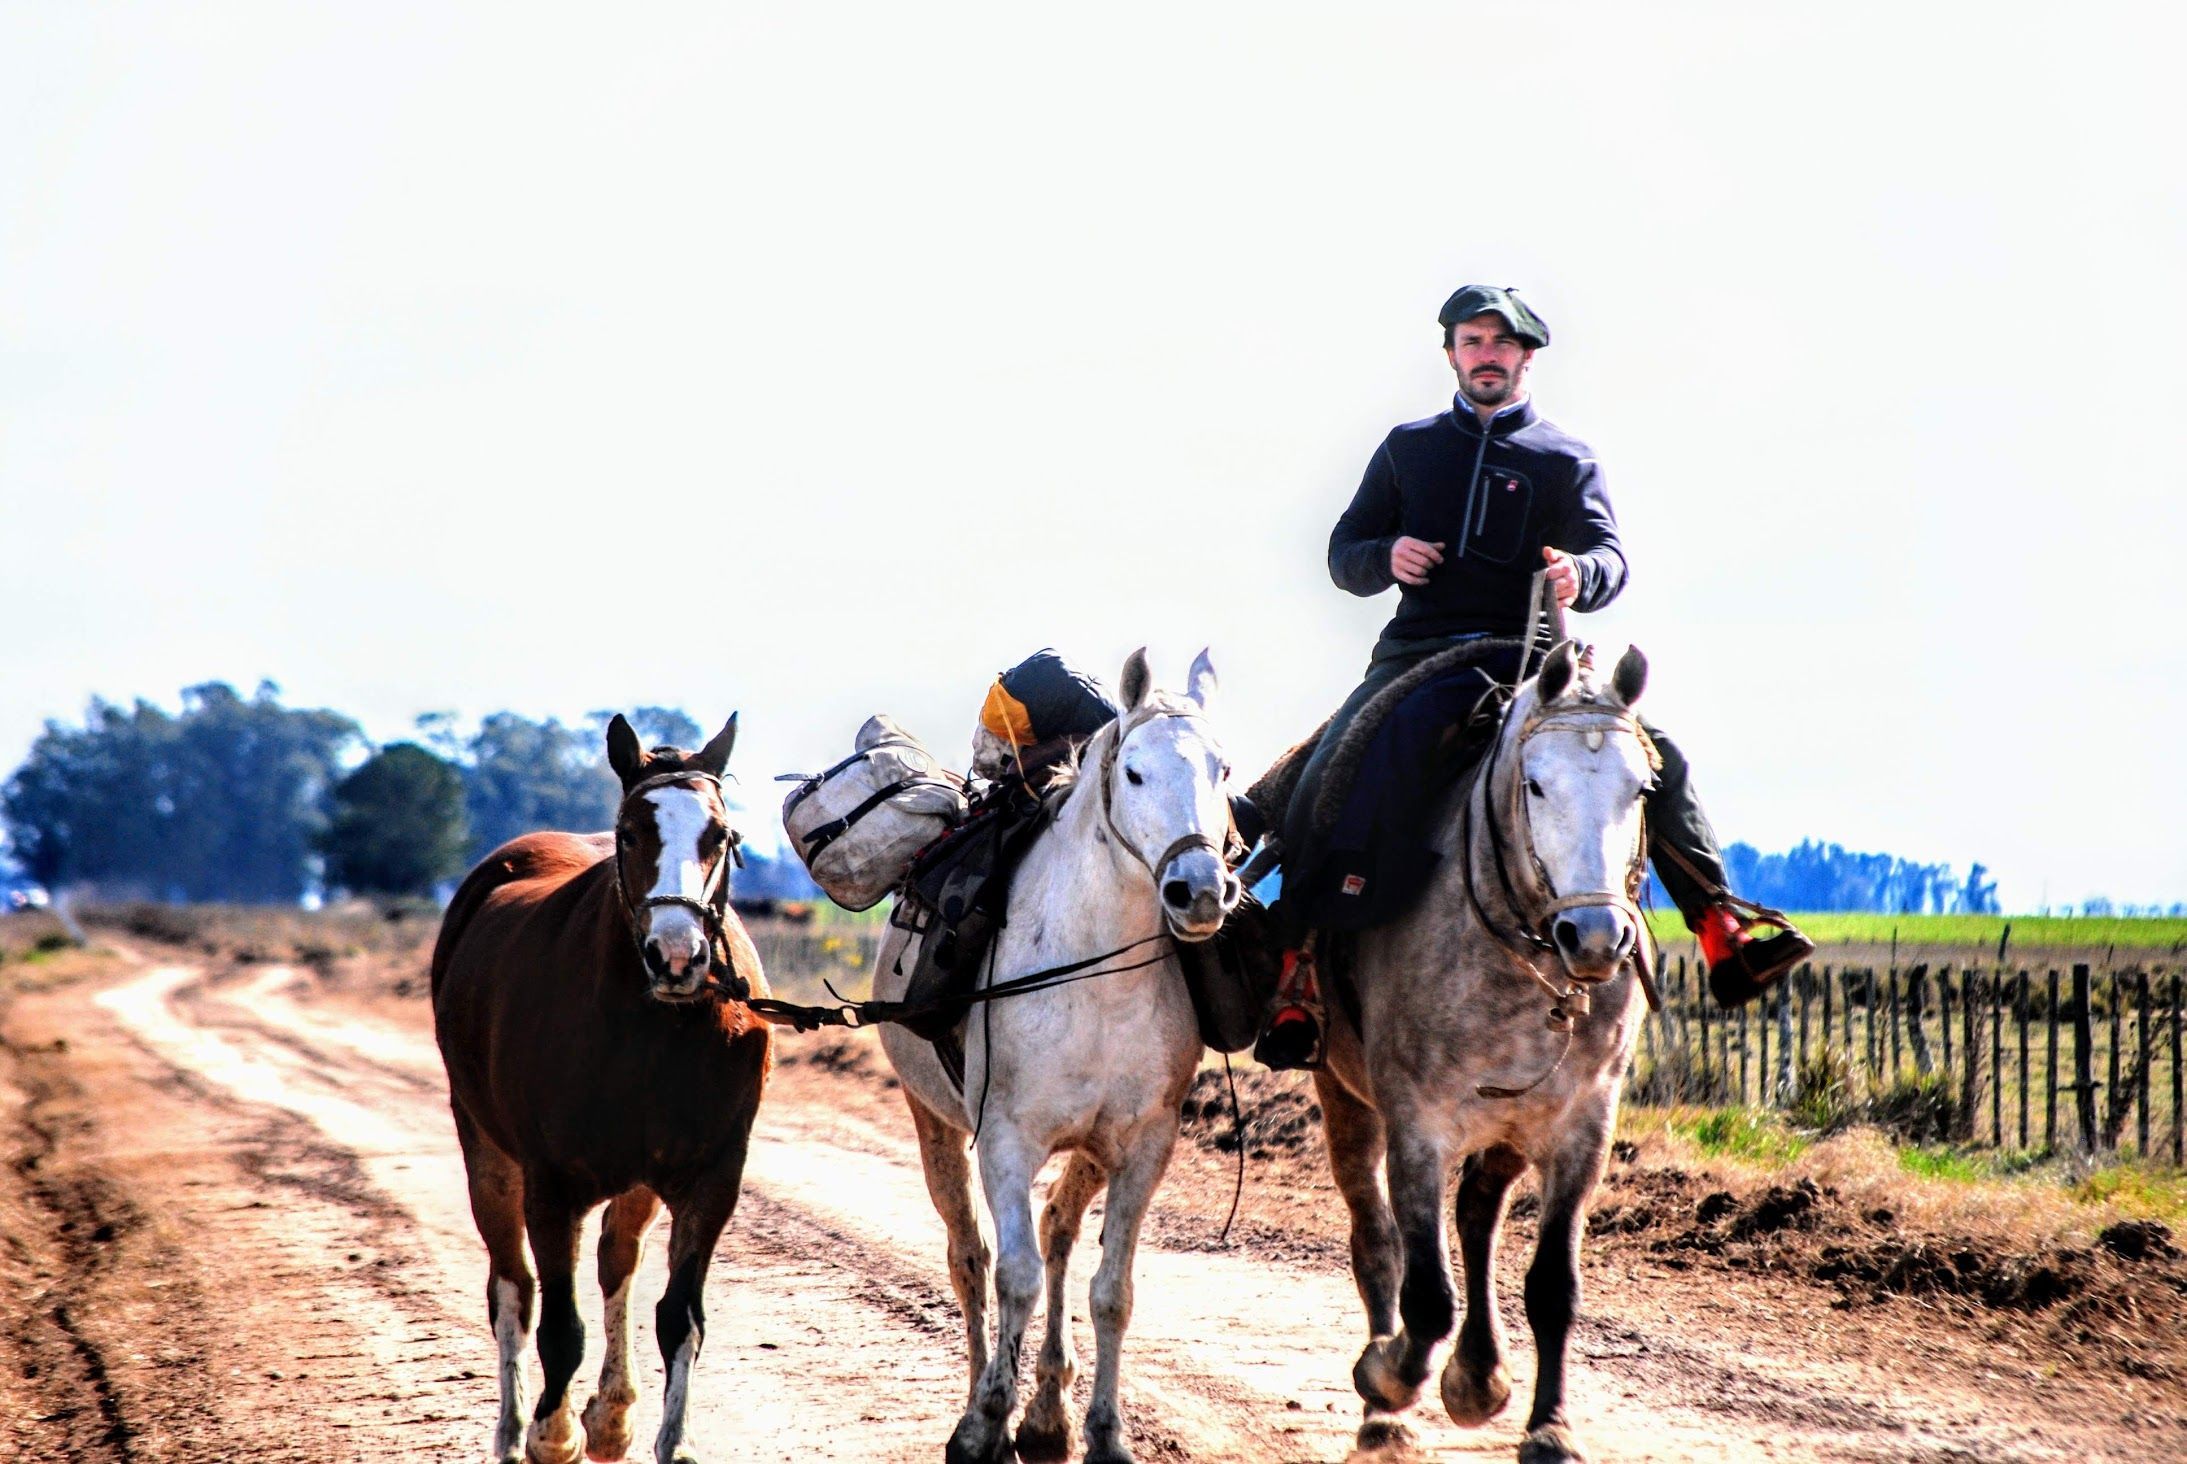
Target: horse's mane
<point>1067,773</point>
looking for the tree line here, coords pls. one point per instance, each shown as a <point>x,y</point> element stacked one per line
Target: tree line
<point>244,799</point>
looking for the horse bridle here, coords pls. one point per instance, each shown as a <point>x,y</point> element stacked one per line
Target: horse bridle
<point>712,903</point>
<point>1183,844</point>
<point>1535,932</point>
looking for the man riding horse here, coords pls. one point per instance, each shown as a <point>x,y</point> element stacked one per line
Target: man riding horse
<point>1459,511</point>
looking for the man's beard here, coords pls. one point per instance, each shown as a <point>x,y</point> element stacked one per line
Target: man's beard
<point>1490,391</point>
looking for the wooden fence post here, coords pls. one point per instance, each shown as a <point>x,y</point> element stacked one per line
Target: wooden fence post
<point>2179,1084</point>
<point>2114,1101</point>
<point>2084,1060</point>
<point>1917,1012</point>
<point>1807,990</point>
<point>1701,1003</point>
<point>1762,1095</point>
<point>1845,1012</point>
<point>1787,1070</point>
<point>1943,988</point>
<point>2020,1016</point>
<point>1892,999</point>
<point>1970,987</point>
<point>2050,1070</point>
<point>1997,1060</point>
<point>1743,1052</point>
<point>2143,1053</point>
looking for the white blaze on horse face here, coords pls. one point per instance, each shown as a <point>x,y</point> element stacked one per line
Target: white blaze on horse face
<point>681,816</point>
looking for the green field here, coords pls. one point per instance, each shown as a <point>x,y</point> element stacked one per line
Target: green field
<point>2146,938</point>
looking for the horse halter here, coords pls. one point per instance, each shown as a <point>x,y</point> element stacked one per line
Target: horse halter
<point>712,907</point>
<point>1184,844</point>
<point>1535,932</point>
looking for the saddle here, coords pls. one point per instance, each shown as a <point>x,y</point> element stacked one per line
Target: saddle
<point>1356,856</point>
<point>957,895</point>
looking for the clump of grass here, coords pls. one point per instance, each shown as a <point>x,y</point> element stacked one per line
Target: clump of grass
<point>1939,1162</point>
<point>2143,1194</point>
<point>1826,1092</point>
<point>1742,1133</point>
<point>1917,1109</point>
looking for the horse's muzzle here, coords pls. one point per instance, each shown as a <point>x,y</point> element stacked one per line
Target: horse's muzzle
<point>1197,895</point>
<point>1593,940</point>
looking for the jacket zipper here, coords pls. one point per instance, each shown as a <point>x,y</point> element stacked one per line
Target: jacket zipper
<point>1473,486</point>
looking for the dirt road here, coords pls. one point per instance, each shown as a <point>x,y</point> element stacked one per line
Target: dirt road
<point>239,1214</point>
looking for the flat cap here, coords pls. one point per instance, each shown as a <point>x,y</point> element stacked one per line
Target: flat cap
<point>1472,300</point>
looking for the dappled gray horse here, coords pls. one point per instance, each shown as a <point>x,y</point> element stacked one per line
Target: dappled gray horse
<point>1495,1021</point>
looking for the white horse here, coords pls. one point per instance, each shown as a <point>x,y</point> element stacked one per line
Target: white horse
<point>1096,1068</point>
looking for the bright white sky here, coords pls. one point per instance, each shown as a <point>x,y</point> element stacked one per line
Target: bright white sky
<point>826,359</point>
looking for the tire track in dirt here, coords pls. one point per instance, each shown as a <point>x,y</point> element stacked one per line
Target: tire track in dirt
<point>340,1248</point>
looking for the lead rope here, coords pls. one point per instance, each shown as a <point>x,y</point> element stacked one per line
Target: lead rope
<point>1237,1127</point>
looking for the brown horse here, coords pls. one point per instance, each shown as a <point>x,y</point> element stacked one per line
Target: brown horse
<point>588,1000</point>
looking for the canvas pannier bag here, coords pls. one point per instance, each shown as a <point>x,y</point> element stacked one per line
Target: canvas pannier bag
<point>857,825</point>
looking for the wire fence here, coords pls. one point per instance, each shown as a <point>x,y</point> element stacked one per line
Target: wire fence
<point>2027,1059</point>
<point>2034,1060</point>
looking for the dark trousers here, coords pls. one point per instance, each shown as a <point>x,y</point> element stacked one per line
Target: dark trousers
<point>1675,815</point>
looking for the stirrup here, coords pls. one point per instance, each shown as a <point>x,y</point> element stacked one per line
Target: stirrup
<point>1294,1035</point>
<point>1755,964</point>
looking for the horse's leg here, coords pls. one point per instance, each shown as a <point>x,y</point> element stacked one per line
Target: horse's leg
<point>1391,1369</point>
<point>1045,1431</point>
<point>1569,1177</point>
<point>1131,1187</point>
<point>497,1206</point>
<point>622,1241</point>
<point>553,1222</point>
<point>679,1321</point>
<point>1476,1385</point>
<point>949,1184</point>
<point>1356,1151</point>
<point>1008,1163</point>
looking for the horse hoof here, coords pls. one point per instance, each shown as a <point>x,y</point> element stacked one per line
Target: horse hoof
<point>553,1440</point>
<point>1375,1376</point>
<point>1109,1451</point>
<point>607,1430</point>
<point>967,1447</point>
<point>1471,1398</point>
<point>1041,1443</point>
<point>1552,1443</point>
<point>1384,1436</point>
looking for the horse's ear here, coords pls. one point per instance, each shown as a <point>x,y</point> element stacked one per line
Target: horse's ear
<point>625,756</point>
<point>1557,672</point>
<point>714,757</point>
<point>1136,679</point>
<point>1631,676</point>
<point>1200,680</point>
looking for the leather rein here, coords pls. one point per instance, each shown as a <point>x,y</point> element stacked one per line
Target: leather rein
<point>711,905</point>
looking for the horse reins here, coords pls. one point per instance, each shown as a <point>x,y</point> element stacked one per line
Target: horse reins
<point>712,903</point>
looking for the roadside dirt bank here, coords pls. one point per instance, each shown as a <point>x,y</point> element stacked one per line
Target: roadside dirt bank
<point>235,1229</point>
